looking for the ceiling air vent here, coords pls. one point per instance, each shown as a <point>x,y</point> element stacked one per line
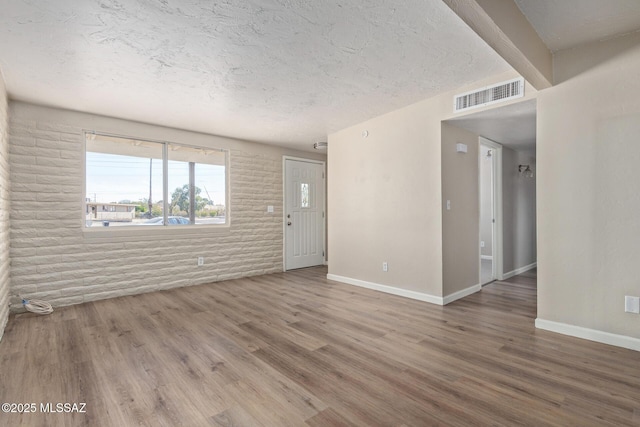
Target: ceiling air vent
<point>489,95</point>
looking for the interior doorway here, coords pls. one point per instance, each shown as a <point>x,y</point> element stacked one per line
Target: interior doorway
<point>490,154</point>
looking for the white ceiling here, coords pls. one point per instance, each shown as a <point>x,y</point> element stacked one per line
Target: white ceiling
<point>287,72</point>
<point>562,24</point>
<point>513,125</point>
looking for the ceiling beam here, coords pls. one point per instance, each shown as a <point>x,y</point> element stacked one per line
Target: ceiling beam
<point>501,24</point>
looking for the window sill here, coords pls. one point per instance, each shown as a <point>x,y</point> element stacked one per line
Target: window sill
<point>134,233</point>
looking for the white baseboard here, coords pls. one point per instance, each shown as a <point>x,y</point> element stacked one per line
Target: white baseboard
<point>461,294</point>
<point>520,270</point>
<point>388,289</point>
<point>487,257</point>
<point>589,334</point>
<point>420,296</point>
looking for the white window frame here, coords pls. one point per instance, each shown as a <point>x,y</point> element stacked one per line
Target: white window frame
<point>134,230</point>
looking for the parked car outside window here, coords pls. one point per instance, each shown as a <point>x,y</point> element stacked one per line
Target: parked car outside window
<point>172,220</point>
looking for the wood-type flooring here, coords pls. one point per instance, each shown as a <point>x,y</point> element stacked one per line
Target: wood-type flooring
<point>295,349</point>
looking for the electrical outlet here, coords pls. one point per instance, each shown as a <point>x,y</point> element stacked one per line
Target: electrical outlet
<point>385,266</point>
<point>632,304</point>
<point>448,205</point>
<point>200,261</point>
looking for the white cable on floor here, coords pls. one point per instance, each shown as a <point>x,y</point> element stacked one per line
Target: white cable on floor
<point>37,306</point>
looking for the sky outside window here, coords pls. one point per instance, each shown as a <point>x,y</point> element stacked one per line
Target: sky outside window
<point>117,178</point>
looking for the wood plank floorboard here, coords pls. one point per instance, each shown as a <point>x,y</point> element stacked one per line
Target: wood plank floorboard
<point>295,349</point>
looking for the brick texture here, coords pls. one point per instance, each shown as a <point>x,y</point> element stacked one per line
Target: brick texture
<point>4,209</point>
<point>53,259</point>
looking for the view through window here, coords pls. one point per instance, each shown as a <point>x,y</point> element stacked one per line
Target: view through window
<point>125,183</point>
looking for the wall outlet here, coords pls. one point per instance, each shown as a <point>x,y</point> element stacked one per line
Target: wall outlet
<point>482,243</point>
<point>200,261</point>
<point>269,209</point>
<point>385,266</point>
<point>632,304</point>
<point>448,205</point>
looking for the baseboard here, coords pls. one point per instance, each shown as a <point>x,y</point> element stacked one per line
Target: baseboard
<point>589,334</point>
<point>388,289</point>
<point>487,257</point>
<point>461,294</point>
<point>520,270</point>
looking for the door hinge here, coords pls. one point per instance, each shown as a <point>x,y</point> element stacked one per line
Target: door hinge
<point>322,214</point>
<point>322,253</point>
<point>322,175</point>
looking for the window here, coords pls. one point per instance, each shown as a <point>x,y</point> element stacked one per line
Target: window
<point>304,195</point>
<point>132,182</point>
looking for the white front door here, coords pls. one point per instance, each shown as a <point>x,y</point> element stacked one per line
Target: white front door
<point>304,213</point>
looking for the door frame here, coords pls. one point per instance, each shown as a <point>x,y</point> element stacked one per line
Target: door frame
<point>284,205</point>
<point>497,244</point>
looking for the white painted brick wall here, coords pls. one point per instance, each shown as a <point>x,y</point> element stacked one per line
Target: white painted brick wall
<point>4,209</point>
<point>51,257</point>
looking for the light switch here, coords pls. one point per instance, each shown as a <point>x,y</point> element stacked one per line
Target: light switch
<point>269,209</point>
<point>632,304</point>
<point>448,205</point>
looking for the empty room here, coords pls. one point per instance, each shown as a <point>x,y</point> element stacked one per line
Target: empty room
<point>297,213</point>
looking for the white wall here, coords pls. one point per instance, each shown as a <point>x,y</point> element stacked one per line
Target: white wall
<point>4,209</point>
<point>52,258</point>
<point>385,198</point>
<point>384,201</point>
<point>460,224</point>
<point>518,211</point>
<point>588,153</point>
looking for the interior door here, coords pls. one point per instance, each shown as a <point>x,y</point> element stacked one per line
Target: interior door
<point>491,264</point>
<point>304,213</point>
<point>487,214</point>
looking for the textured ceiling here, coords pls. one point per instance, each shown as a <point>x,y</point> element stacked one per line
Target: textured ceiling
<point>563,24</point>
<point>513,125</point>
<point>286,72</point>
